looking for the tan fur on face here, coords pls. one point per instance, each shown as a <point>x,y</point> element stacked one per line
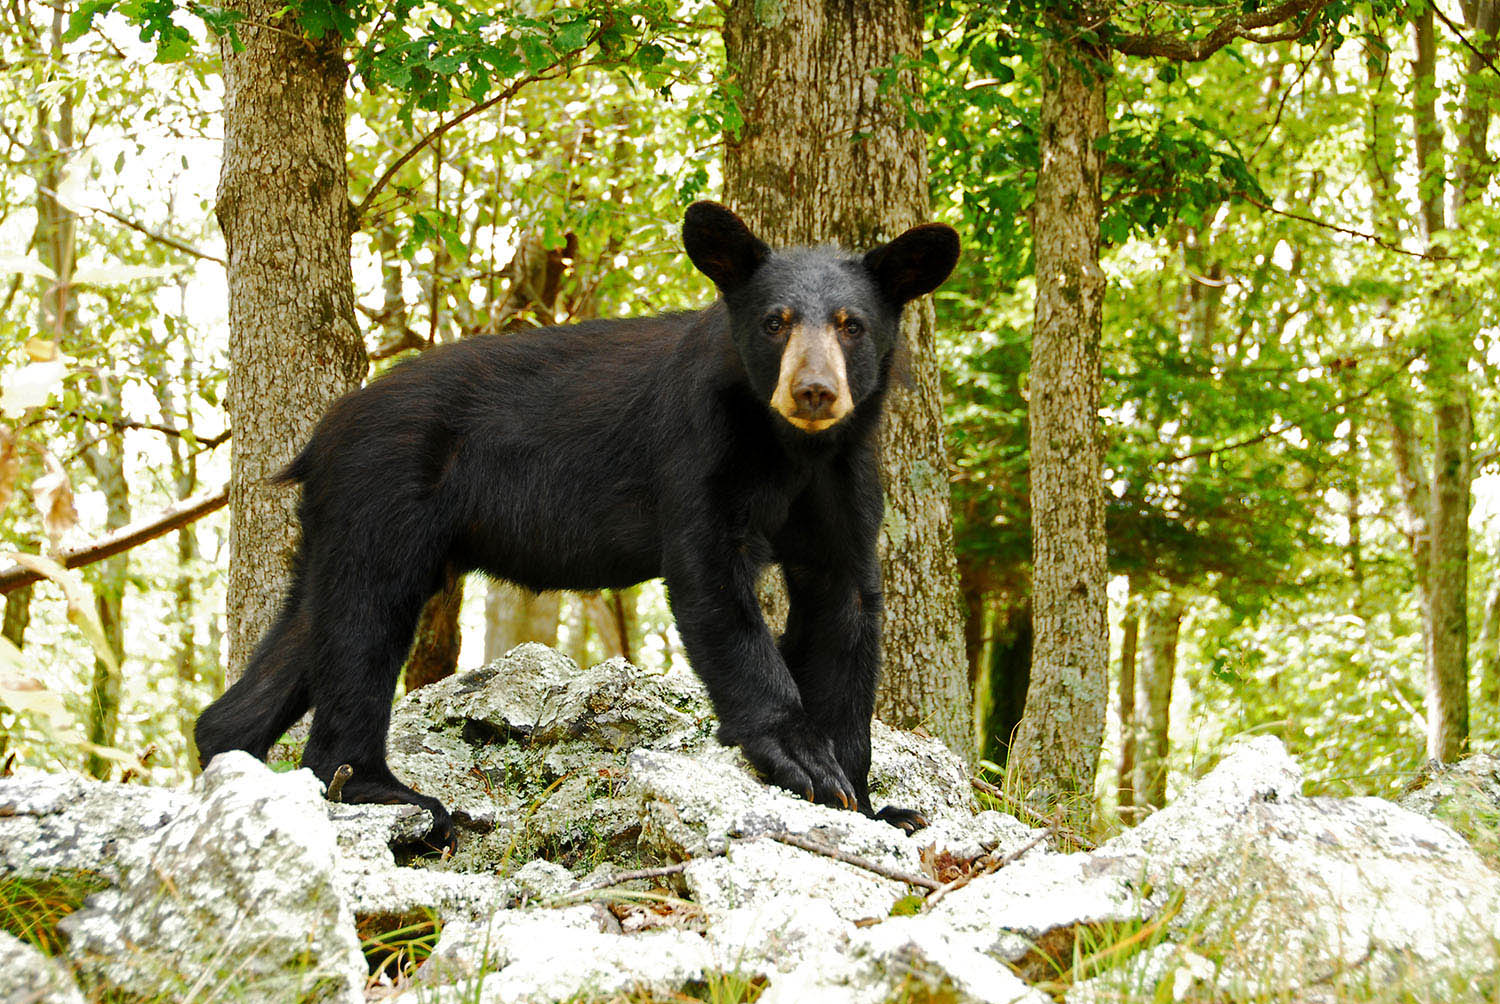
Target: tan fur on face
<point>812,353</point>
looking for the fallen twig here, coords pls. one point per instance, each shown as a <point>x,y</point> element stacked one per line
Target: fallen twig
<point>642,873</point>
<point>986,866</point>
<point>812,846</point>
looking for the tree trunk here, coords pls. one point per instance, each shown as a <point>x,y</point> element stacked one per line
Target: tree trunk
<point>824,155</point>
<point>294,347</point>
<point>434,648</point>
<point>1125,778</point>
<point>1056,751</point>
<point>1449,347</point>
<point>107,461</point>
<point>514,616</point>
<point>1154,698</point>
<point>1489,654</point>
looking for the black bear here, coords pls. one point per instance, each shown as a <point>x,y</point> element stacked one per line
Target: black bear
<point>697,447</point>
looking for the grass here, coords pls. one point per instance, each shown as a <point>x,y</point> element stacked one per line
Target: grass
<point>31,909</point>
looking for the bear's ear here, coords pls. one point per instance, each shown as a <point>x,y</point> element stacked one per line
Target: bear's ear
<point>915,263</point>
<point>720,245</point>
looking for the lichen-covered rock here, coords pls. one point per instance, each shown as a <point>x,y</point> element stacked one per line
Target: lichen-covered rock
<point>1029,912</point>
<point>238,896</point>
<point>61,823</point>
<point>378,889</point>
<point>529,752</point>
<point>918,772</point>
<point>884,962</point>
<point>1306,889</point>
<point>29,977</point>
<point>755,872</point>
<point>1466,796</point>
<point>539,954</point>
<point>694,804</point>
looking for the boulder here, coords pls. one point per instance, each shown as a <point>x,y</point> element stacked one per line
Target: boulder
<point>1466,796</point>
<point>52,824</point>
<point>541,954</point>
<point>238,896</point>
<point>1307,892</point>
<point>29,977</point>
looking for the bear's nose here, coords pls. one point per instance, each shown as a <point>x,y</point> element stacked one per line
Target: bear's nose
<point>814,400</point>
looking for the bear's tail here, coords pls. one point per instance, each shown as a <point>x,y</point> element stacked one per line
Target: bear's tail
<point>297,471</point>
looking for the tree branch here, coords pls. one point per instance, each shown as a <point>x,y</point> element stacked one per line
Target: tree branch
<point>895,874</point>
<point>416,148</point>
<point>1375,239</point>
<point>1226,31</point>
<point>1486,60</point>
<point>174,517</point>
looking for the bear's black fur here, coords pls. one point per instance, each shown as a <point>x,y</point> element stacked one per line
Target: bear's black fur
<point>697,447</point>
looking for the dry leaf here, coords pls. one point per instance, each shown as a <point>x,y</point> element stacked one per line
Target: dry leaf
<point>41,350</point>
<point>53,493</point>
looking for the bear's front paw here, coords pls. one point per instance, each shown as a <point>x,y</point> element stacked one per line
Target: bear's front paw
<point>909,820</point>
<point>800,759</point>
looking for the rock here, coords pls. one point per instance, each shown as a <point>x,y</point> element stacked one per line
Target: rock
<point>1309,889</point>
<point>1029,912</point>
<point>529,752</point>
<point>238,896</point>
<point>58,823</point>
<point>918,772</point>
<point>29,977</point>
<point>694,804</point>
<point>539,954</point>
<point>776,934</point>
<point>1466,796</point>
<point>882,963</point>
<point>390,896</point>
<point>543,879</point>
<point>753,873</point>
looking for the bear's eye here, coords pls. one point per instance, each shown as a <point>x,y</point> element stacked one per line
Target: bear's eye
<point>853,328</point>
<point>773,325</point>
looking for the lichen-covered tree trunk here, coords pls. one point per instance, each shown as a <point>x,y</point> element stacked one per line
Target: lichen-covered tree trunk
<point>294,347</point>
<point>434,647</point>
<point>827,155</point>
<point>1153,701</point>
<point>1056,750</point>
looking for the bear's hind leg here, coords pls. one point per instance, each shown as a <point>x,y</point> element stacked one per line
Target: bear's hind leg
<point>271,695</point>
<point>364,635</point>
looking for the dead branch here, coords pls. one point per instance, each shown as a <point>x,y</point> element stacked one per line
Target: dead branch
<point>895,874</point>
<point>174,517</point>
<point>620,878</point>
<point>985,866</point>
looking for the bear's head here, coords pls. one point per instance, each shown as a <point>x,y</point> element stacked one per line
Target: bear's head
<point>815,327</point>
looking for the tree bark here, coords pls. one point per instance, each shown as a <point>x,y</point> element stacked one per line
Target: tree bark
<point>1489,653</point>
<point>1125,778</point>
<point>826,155</point>
<point>1154,698</point>
<point>294,348</point>
<point>434,648</point>
<point>1056,752</point>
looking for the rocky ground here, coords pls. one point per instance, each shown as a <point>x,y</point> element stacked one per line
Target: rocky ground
<point>567,783</point>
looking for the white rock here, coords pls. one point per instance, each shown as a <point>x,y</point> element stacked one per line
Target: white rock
<point>29,977</point>
<point>544,955</point>
<point>1309,888</point>
<point>776,934</point>
<point>238,896</point>
<point>882,961</point>
<point>62,823</point>
<point>758,871</point>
